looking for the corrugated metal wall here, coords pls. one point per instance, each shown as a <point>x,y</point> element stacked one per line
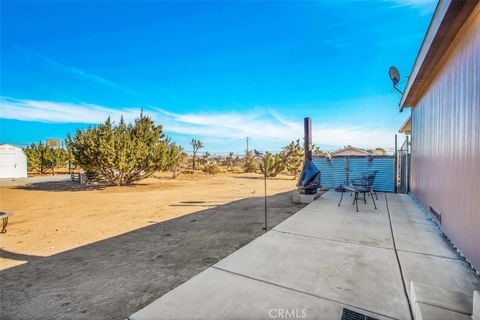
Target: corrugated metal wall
<point>333,171</point>
<point>445,156</point>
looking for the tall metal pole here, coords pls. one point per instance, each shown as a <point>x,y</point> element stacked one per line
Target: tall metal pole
<point>395,170</point>
<point>407,161</point>
<point>307,136</point>
<point>265,184</point>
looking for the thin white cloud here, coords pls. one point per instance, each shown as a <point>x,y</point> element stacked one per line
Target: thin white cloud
<point>76,71</point>
<point>260,124</point>
<point>60,112</point>
<point>424,6</point>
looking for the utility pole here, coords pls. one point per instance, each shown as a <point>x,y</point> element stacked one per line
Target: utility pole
<point>247,139</point>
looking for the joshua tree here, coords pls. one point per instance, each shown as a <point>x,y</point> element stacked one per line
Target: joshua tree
<point>317,152</point>
<point>204,159</point>
<point>196,145</point>
<point>230,160</point>
<point>275,164</point>
<point>293,157</point>
<point>250,165</point>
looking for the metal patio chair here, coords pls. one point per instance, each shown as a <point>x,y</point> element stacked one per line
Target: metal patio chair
<point>371,176</point>
<point>358,186</point>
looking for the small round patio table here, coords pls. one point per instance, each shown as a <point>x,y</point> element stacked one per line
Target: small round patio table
<point>4,215</point>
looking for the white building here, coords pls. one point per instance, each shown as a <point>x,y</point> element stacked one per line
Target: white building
<point>13,162</point>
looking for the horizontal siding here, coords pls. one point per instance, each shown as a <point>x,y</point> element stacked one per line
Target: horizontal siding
<point>333,171</point>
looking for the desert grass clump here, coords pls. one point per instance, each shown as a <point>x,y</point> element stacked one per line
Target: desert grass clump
<point>211,168</point>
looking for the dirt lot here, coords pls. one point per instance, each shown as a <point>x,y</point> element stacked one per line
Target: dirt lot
<point>76,253</point>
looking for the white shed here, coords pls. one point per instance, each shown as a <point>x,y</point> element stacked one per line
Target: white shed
<point>13,162</point>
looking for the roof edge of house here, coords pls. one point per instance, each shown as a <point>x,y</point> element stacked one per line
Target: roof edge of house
<point>407,123</point>
<point>447,21</point>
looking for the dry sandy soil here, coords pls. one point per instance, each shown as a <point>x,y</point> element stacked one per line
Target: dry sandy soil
<point>103,253</point>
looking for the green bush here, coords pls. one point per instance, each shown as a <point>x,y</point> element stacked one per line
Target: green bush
<point>124,153</point>
<point>43,159</point>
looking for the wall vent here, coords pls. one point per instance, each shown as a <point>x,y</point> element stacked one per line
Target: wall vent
<point>437,215</point>
<point>348,314</point>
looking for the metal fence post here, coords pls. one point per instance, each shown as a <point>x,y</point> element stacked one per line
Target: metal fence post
<point>395,170</point>
<point>408,166</point>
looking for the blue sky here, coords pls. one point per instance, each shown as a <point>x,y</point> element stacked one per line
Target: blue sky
<point>217,71</point>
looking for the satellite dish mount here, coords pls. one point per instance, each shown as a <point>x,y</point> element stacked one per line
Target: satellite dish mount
<point>395,77</point>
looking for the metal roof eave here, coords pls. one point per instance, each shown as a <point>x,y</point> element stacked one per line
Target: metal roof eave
<point>447,21</point>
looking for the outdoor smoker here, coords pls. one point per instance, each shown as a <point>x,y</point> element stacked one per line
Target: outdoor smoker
<point>308,182</point>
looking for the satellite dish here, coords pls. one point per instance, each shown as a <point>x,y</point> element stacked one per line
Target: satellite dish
<point>394,75</point>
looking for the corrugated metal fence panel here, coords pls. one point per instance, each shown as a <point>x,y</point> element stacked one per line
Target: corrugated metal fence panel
<point>333,171</point>
<point>385,167</point>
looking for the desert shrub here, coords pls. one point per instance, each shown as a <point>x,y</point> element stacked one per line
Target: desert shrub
<point>275,164</point>
<point>211,168</point>
<point>250,165</point>
<point>124,153</point>
<point>43,159</point>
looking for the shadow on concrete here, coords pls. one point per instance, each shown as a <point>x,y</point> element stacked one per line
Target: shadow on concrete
<point>113,278</point>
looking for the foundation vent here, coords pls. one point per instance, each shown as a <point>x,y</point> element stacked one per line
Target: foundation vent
<point>353,315</point>
<point>437,215</point>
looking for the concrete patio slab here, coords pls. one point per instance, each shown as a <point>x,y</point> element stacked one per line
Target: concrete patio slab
<point>232,296</point>
<point>442,298</point>
<point>428,312</point>
<point>450,274</point>
<point>325,258</point>
<point>408,214</point>
<point>332,198</point>
<point>352,274</point>
<point>419,237</point>
<point>344,224</point>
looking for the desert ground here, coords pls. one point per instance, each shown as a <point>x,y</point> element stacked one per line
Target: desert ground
<point>92,252</point>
